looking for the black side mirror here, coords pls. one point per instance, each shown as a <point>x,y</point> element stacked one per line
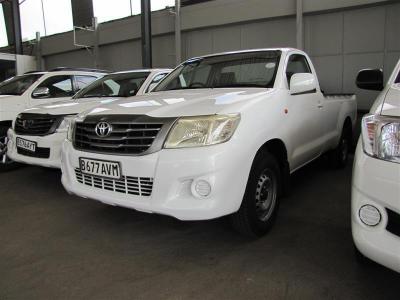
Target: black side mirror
<point>370,79</point>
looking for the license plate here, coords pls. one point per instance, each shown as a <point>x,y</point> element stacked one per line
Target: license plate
<point>26,145</point>
<point>109,169</point>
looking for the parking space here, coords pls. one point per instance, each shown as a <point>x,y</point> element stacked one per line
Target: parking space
<point>57,246</point>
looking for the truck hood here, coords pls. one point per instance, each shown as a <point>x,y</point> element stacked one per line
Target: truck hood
<point>185,102</point>
<point>391,104</point>
<point>69,107</point>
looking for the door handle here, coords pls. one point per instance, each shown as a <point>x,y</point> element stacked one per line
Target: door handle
<point>320,105</point>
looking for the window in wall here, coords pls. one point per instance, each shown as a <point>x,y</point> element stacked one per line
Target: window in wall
<point>31,19</point>
<point>57,16</point>
<point>46,16</point>
<point>117,9</point>
<point>111,10</point>
<point>155,5</point>
<point>3,32</point>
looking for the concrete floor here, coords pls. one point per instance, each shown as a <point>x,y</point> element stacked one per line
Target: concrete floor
<point>56,246</point>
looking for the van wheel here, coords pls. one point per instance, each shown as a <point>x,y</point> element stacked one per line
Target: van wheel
<point>260,203</point>
<point>340,155</point>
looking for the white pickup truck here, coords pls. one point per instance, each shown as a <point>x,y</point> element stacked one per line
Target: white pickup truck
<point>38,132</point>
<point>376,174</point>
<point>219,136</point>
<point>35,88</point>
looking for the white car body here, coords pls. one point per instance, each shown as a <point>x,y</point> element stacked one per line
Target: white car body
<point>307,124</point>
<point>376,186</point>
<point>12,105</point>
<point>52,142</point>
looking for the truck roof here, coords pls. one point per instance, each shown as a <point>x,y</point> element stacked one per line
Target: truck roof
<point>249,50</point>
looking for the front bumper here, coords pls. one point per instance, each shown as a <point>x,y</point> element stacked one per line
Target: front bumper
<point>376,183</point>
<point>52,142</point>
<point>173,172</point>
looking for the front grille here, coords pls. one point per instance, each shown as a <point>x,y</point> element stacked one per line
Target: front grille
<point>36,124</point>
<point>140,186</point>
<point>393,224</point>
<point>39,152</point>
<point>125,137</point>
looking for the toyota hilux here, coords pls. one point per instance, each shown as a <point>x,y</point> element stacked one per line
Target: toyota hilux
<point>220,135</point>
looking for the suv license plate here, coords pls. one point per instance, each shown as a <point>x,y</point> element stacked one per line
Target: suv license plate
<point>26,145</point>
<point>109,169</point>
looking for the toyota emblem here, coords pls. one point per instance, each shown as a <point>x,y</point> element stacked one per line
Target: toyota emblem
<point>103,129</point>
<point>27,123</point>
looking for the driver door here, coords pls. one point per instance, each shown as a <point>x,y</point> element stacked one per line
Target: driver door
<point>306,128</point>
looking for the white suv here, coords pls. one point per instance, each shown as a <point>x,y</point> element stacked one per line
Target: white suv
<point>38,132</point>
<point>35,88</point>
<point>376,177</point>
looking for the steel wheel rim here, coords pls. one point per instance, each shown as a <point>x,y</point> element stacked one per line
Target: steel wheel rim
<point>266,194</point>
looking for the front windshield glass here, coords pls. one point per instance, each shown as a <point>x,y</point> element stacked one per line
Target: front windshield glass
<point>115,85</point>
<point>18,85</point>
<point>248,69</point>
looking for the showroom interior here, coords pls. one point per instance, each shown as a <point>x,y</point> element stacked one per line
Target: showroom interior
<point>56,243</point>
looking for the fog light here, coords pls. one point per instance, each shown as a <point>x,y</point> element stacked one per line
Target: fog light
<point>201,188</point>
<point>370,215</point>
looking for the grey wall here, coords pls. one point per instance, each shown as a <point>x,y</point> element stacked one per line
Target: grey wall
<point>342,37</point>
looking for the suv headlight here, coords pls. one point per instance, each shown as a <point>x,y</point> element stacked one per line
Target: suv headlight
<point>381,137</point>
<point>202,131</point>
<point>65,123</point>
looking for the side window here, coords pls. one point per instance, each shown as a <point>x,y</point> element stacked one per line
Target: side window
<point>83,80</point>
<point>297,64</point>
<point>156,79</point>
<point>54,87</point>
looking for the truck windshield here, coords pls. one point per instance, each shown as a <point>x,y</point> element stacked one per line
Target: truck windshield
<point>248,69</point>
<point>114,85</point>
<point>18,85</point>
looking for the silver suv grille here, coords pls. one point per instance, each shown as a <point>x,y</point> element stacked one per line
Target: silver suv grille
<point>36,124</point>
<point>140,186</point>
<point>134,135</point>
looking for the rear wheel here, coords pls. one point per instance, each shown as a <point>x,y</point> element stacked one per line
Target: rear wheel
<point>260,203</point>
<point>340,155</point>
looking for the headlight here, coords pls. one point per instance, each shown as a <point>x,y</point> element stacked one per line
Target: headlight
<point>70,132</point>
<point>202,131</point>
<point>381,137</point>
<point>65,123</point>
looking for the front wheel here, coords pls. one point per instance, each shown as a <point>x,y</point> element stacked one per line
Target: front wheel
<point>259,207</point>
<point>6,164</point>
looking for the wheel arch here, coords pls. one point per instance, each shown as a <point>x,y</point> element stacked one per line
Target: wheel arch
<point>278,149</point>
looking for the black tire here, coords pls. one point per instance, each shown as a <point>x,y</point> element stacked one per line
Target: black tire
<point>260,203</point>
<point>340,155</point>
<point>7,164</point>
